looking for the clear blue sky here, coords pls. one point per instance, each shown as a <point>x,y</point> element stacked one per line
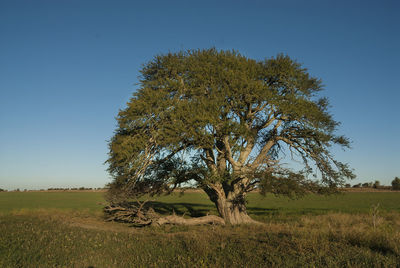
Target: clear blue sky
<point>67,67</point>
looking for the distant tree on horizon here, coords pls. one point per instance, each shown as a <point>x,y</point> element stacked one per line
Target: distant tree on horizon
<point>396,183</point>
<point>377,184</point>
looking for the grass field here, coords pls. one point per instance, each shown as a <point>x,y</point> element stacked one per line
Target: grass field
<point>66,229</point>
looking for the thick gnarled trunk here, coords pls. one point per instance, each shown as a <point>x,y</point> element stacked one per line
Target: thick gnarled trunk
<point>232,212</point>
<point>231,205</point>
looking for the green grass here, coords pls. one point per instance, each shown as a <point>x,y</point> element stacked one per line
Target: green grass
<point>65,229</point>
<point>271,205</point>
<point>91,201</point>
<point>358,202</point>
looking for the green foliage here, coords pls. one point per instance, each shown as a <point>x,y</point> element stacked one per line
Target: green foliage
<point>396,184</point>
<point>210,117</point>
<point>292,184</point>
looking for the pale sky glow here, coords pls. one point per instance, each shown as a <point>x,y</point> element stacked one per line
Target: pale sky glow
<point>67,67</point>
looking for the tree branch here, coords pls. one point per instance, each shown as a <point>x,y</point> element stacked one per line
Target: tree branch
<point>209,159</point>
<point>261,157</point>
<point>244,154</point>
<point>228,153</point>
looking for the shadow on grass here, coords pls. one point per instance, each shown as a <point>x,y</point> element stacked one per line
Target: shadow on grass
<point>199,210</point>
<point>190,209</point>
<point>274,211</point>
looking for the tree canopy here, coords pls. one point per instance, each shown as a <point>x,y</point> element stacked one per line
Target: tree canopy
<point>221,121</point>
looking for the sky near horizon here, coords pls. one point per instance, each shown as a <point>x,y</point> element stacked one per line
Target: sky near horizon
<point>67,67</point>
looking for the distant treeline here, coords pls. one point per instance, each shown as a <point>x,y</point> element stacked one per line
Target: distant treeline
<point>368,185</point>
<point>376,185</point>
<point>75,189</point>
<point>57,189</point>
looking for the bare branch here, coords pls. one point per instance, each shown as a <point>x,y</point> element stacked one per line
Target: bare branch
<point>228,153</point>
<point>209,159</point>
<point>244,154</point>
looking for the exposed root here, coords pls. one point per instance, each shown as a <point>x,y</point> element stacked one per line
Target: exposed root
<point>173,219</point>
<point>255,222</point>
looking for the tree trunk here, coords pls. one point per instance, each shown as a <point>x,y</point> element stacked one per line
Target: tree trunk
<point>233,212</point>
<point>231,206</point>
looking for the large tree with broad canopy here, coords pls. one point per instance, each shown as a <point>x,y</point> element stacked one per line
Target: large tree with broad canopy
<point>223,122</point>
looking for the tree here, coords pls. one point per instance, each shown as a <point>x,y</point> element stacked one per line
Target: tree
<point>222,121</point>
<point>377,184</point>
<point>396,183</point>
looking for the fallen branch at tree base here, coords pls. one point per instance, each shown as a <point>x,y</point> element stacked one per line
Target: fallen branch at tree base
<point>142,216</point>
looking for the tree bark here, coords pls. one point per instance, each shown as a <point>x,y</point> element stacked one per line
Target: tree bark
<point>232,212</point>
<point>231,206</point>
